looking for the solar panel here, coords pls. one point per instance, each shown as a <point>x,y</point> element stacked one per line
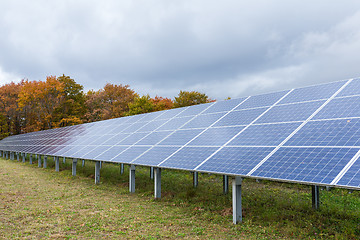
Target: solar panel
<point>308,135</point>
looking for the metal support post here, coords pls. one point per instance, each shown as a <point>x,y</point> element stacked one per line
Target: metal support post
<point>225,184</point>
<point>121,168</point>
<point>64,160</point>
<point>315,197</point>
<point>157,183</point>
<point>45,161</point>
<point>236,198</point>
<point>39,160</point>
<point>83,163</point>
<point>151,172</point>
<point>132,179</point>
<point>18,157</point>
<point>74,166</point>
<point>101,163</point>
<point>30,158</point>
<point>195,179</point>
<point>97,172</point>
<point>23,157</point>
<point>57,164</point>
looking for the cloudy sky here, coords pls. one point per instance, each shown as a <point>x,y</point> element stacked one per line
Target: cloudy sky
<point>228,48</point>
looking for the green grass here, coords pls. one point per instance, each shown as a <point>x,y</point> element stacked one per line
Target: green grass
<point>37,203</point>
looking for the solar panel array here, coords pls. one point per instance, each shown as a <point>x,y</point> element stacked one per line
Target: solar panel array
<point>307,135</point>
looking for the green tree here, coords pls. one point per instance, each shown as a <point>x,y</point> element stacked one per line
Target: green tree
<point>4,129</point>
<point>187,98</point>
<point>140,105</point>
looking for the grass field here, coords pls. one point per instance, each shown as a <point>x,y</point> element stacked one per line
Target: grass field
<point>37,203</point>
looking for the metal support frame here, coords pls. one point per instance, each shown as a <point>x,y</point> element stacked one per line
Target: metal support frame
<point>45,161</point>
<point>64,160</point>
<point>74,162</point>
<point>225,184</point>
<point>132,179</point>
<point>39,160</point>
<point>315,197</point>
<point>30,158</point>
<point>236,199</point>
<point>57,164</point>
<point>23,157</point>
<point>121,168</point>
<point>83,163</point>
<point>151,172</point>
<point>157,183</point>
<point>195,179</point>
<point>101,163</point>
<point>97,172</point>
<point>18,157</point>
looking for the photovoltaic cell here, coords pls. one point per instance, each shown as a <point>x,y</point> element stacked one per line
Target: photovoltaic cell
<point>153,138</point>
<point>343,132</point>
<point>203,121</point>
<point>323,91</point>
<point>290,112</point>
<point>188,157</point>
<point>130,154</point>
<point>312,165</point>
<point>352,177</point>
<point>340,108</point>
<point>224,106</point>
<point>262,100</point>
<point>353,88</point>
<point>132,138</point>
<point>174,123</point>
<point>95,152</point>
<point>194,110</point>
<point>181,137</point>
<point>155,155</point>
<point>110,153</point>
<point>216,136</point>
<point>235,160</point>
<point>264,135</point>
<point>242,117</point>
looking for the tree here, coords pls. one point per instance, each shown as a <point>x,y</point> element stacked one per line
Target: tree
<point>4,129</point>
<point>161,103</point>
<point>110,102</point>
<point>140,105</point>
<point>186,98</point>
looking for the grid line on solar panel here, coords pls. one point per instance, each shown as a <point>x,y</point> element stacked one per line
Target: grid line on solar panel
<point>343,132</point>
<point>313,165</point>
<point>352,89</point>
<point>254,120</point>
<point>298,128</point>
<point>351,178</point>
<point>323,91</point>
<point>341,108</point>
<point>225,105</point>
<point>263,100</point>
<point>208,105</point>
<point>346,168</point>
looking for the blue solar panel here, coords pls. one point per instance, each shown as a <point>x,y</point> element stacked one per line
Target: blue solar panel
<point>242,117</point>
<point>132,139</point>
<point>353,88</point>
<point>151,126</point>
<point>262,100</point>
<point>130,154</point>
<point>155,155</point>
<point>264,135</point>
<point>171,113</point>
<point>313,165</point>
<point>235,160</point>
<point>343,132</point>
<point>188,157</point>
<point>340,108</point>
<point>224,106</point>
<point>110,153</point>
<point>94,152</point>
<point>181,137</point>
<point>194,110</point>
<point>323,91</point>
<point>174,123</point>
<point>216,136</point>
<point>82,151</point>
<point>153,138</point>
<point>115,139</point>
<point>133,127</point>
<point>203,121</point>
<point>290,112</point>
<point>352,177</point>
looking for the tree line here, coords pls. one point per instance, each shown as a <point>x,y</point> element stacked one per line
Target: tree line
<point>30,106</point>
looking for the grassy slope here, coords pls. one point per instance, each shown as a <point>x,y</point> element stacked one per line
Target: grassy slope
<point>38,203</point>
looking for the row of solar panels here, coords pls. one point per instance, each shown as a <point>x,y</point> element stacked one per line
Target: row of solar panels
<point>308,135</point>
